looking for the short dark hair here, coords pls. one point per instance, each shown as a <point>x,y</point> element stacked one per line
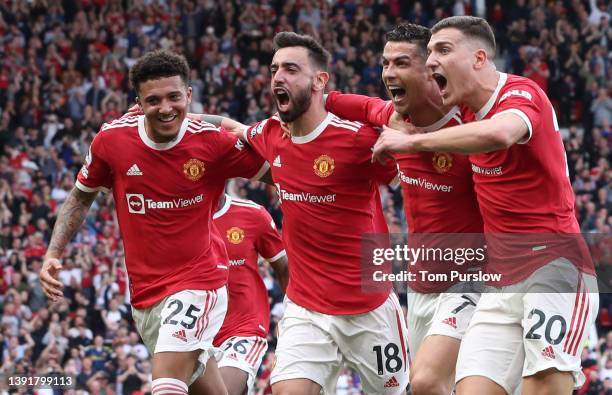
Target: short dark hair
<point>158,64</point>
<point>317,54</point>
<point>471,27</point>
<point>410,33</point>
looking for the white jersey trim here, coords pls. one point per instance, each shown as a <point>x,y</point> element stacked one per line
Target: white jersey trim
<point>245,134</point>
<point>108,126</point>
<point>226,206</point>
<point>525,119</point>
<point>442,121</point>
<point>85,188</point>
<point>503,77</point>
<point>246,203</point>
<point>160,146</point>
<point>315,133</point>
<point>242,202</point>
<point>264,168</point>
<point>278,256</point>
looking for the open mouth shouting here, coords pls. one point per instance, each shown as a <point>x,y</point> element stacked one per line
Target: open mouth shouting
<point>397,93</point>
<point>283,98</point>
<point>441,81</point>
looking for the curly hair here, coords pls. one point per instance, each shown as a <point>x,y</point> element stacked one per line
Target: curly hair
<point>158,64</point>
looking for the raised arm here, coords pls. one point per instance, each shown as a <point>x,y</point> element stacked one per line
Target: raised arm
<point>69,220</point>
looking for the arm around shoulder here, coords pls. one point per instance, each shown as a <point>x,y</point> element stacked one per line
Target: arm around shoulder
<point>494,134</point>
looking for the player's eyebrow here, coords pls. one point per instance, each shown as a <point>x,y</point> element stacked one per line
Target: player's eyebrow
<point>152,96</point>
<point>395,59</point>
<point>285,65</point>
<point>439,44</point>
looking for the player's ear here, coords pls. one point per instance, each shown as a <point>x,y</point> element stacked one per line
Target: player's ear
<point>138,103</point>
<point>189,92</point>
<point>321,80</point>
<point>480,58</point>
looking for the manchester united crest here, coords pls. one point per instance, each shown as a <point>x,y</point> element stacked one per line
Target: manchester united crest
<point>442,162</point>
<point>324,166</point>
<point>193,169</point>
<point>235,235</point>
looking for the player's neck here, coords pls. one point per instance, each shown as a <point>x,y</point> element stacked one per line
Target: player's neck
<point>428,111</point>
<point>483,88</point>
<point>156,137</point>
<point>308,121</point>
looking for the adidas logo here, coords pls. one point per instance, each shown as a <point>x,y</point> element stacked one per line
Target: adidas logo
<point>277,162</point>
<point>233,356</point>
<point>549,353</point>
<point>134,171</point>
<point>391,383</point>
<point>180,334</point>
<point>452,321</point>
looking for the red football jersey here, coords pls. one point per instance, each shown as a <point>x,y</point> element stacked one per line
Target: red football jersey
<point>247,231</point>
<point>165,195</point>
<point>327,186</point>
<point>437,188</point>
<point>525,191</point>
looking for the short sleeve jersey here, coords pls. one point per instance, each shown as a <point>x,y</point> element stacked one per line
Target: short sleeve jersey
<point>438,192</point>
<point>524,191</point>
<point>328,189</point>
<point>165,194</point>
<point>248,232</point>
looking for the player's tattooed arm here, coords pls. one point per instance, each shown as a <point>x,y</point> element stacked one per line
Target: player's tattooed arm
<point>226,123</point>
<point>281,271</point>
<point>69,220</point>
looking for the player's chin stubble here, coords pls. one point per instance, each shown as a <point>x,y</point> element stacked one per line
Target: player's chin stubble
<point>301,103</point>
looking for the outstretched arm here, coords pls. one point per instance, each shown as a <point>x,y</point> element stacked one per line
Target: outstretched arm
<point>218,120</point>
<point>372,110</point>
<point>69,220</point>
<point>226,123</point>
<point>475,137</point>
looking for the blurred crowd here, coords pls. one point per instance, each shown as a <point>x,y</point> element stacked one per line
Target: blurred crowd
<point>63,72</point>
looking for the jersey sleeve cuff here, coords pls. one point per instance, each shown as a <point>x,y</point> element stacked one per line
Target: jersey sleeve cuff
<point>85,188</point>
<point>276,257</point>
<point>525,119</point>
<point>264,168</point>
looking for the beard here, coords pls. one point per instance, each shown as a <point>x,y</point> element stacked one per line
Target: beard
<point>301,103</point>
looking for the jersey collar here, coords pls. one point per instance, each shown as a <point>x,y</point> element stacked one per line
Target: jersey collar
<point>487,107</point>
<point>160,146</point>
<point>442,121</point>
<point>226,206</point>
<point>315,133</point>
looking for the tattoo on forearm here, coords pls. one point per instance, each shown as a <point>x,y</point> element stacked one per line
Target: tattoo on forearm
<point>69,220</point>
<point>214,119</point>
